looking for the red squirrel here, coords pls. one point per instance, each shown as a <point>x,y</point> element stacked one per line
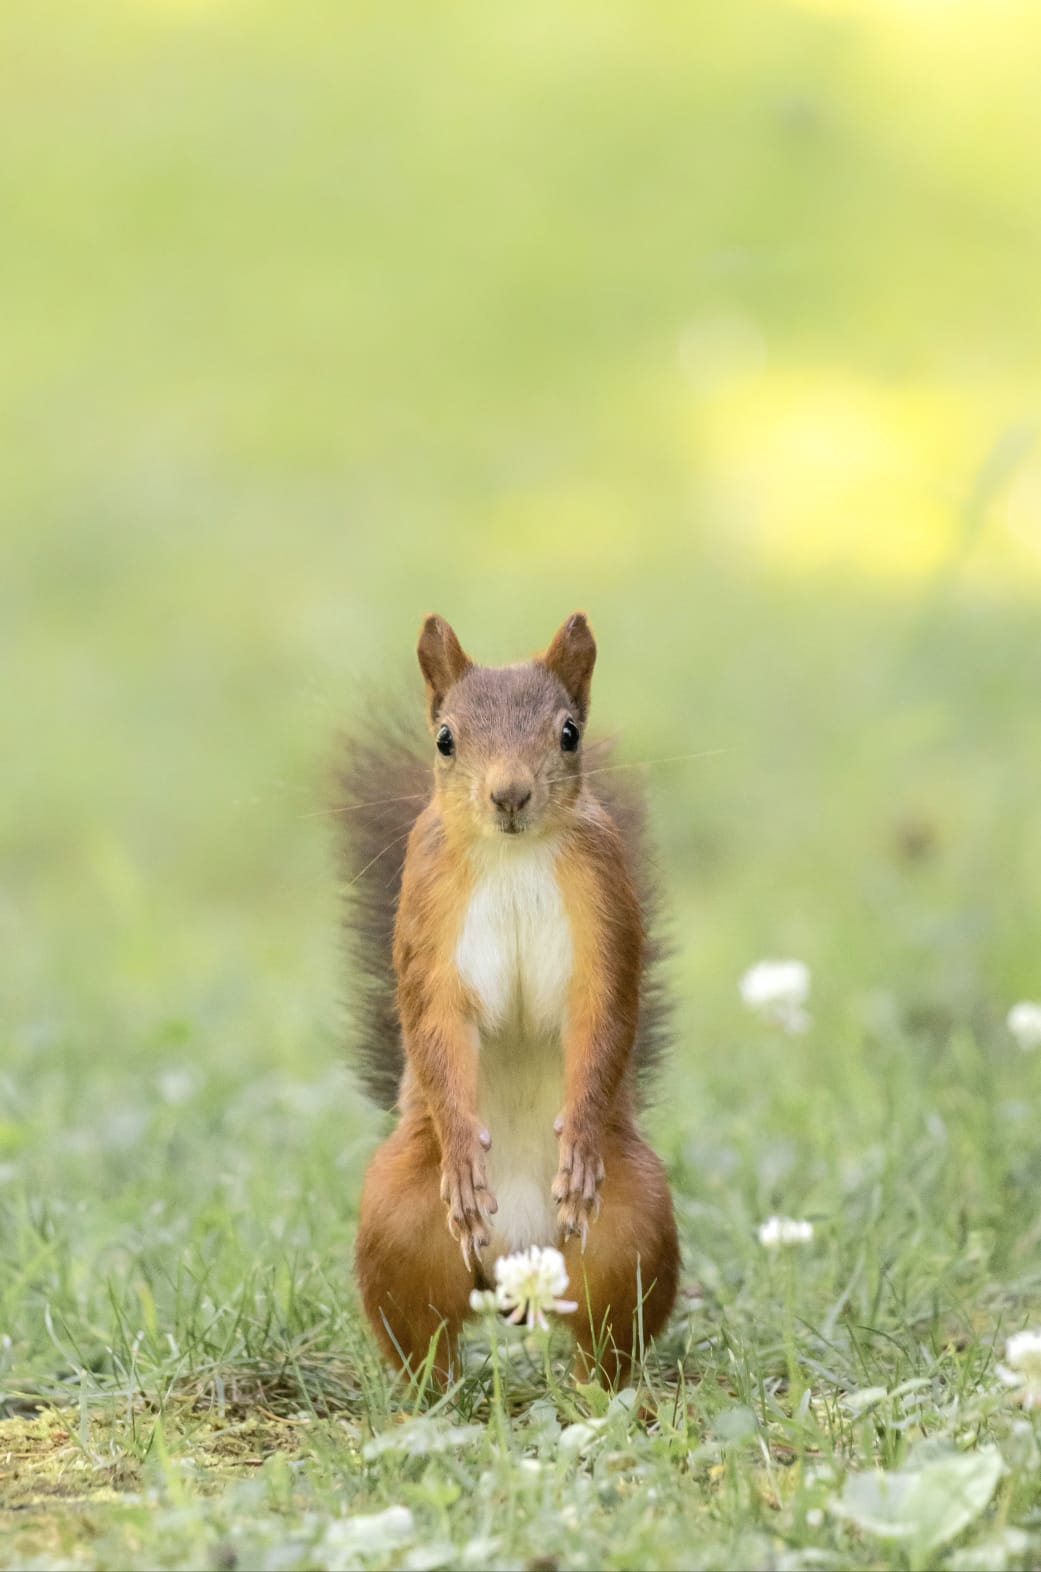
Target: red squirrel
<point>508,1005</point>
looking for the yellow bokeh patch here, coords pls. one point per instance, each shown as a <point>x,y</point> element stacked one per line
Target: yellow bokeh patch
<point>815,469</point>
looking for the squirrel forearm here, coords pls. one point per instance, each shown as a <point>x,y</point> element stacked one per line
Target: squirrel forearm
<point>443,1060</point>
<point>601,1029</point>
<point>604,1006</point>
<point>595,1058</point>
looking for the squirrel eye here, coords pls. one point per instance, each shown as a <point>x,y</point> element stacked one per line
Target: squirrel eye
<point>569,736</point>
<point>445,741</point>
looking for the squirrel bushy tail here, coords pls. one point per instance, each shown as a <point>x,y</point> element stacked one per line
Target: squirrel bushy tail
<point>383,781</point>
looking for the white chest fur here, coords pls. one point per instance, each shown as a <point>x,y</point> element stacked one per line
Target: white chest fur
<point>515,956</point>
<point>514,951</point>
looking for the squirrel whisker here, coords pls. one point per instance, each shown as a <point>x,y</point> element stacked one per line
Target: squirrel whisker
<point>372,860</point>
<point>353,807</point>
<point>674,758</point>
<point>415,796</point>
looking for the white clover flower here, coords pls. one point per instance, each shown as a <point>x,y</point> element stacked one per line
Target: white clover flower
<point>1023,1367</point>
<point>1024,1022</point>
<point>778,1231</point>
<point>778,991</point>
<point>530,1283</point>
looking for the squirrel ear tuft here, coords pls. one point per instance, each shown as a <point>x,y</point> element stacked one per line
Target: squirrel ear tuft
<point>571,657</point>
<point>442,661</point>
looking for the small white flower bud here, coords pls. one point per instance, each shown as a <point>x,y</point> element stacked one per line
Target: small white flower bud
<point>1024,1022</point>
<point>778,1231</point>
<point>777,991</point>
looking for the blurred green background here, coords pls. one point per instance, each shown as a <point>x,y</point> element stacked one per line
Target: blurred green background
<point>720,322</point>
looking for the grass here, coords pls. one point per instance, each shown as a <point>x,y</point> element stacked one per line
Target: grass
<point>316,324</point>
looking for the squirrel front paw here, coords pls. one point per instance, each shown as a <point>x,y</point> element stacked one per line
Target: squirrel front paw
<point>464,1190</point>
<point>576,1189</point>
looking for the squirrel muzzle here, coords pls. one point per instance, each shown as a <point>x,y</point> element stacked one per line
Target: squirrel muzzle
<point>511,787</point>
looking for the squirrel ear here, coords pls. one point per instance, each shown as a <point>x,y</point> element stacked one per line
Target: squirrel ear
<point>571,657</point>
<point>442,661</point>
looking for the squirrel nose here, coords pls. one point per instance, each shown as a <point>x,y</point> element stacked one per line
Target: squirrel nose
<point>512,798</point>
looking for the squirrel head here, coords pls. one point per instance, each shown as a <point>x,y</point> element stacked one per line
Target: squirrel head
<point>507,739</point>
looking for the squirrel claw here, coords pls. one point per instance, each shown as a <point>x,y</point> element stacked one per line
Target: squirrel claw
<point>468,1201</point>
<point>576,1188</point>
<point>468,1243</point>
<point>574,1226</point>
<point>471,1240</point>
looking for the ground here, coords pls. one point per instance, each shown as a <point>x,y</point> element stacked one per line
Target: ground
<point>723,326</point>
